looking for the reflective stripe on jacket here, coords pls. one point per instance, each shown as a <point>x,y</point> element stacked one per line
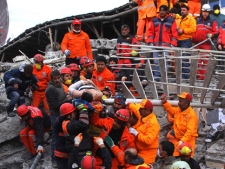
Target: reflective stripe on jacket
<point>146,8</point>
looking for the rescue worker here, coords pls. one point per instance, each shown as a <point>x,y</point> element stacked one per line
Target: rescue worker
<point>119,103</point>
<point>101,76</point>
<point>89,161</point>
<point>79,124</point>
<point>185,155</point>
<point>217,15</point>
<point>116,129</point>
<point>17,81</point>
<point>107,93</point>
<point>37,123</point>
<point>185,28</point>
<point>88,67</point>
<point>75,72</point>
<point>76,44</point>
<point>133,161</point>
<point>42,73</point>
<point>221,38</point>
<point>165,155</point>
<point>66,76</point>
<point>61,153</point>
<point>194,8</point>
<point>146,12</point>
<point>180,164</point>
<point>162,23</point>
<point>56,96</point>
<point>206,28</point>
<point>146,130</point>
<point>185,124</point>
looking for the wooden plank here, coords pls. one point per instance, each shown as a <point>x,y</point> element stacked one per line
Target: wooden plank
<point>149,75</point>
<point>193,70</point>
<point>137,85</point>
<point>209,72</point>
<point>163,72</point>
<point>220,85</point>
<point>126,91</point>
<point>178,63</point>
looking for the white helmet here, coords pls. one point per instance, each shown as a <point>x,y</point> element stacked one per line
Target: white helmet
<point>206,7</point>
<point>180,165</point>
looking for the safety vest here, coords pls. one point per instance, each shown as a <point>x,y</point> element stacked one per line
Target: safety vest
<point>64,124</point>
<point>34,112</point>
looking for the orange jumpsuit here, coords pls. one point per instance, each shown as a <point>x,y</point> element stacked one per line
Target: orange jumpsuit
<point>146,12</point>
<point>100,79</point>
<point>147,140</point>
<point>185,126</point>
<point>78,44</point>
<point>195,7</point>
<point>165,2</point>
<point>126,141</point>
<point>43,76</point>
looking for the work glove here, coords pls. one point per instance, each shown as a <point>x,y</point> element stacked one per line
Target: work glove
<point>78,139</point>
<point>150,44</point>
<point>209,35</point>
<point>98,108</point>
<point>98,140</point>
<point>180,143</point>
<point>81,107</point>
<point>109,141</point>
<point>67,52</point>
<point>40,149</point>
<point>133,131</point>
<point>124,78</point>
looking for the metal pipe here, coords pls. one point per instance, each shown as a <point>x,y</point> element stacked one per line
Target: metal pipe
<point>36,160</point>
<point>173,103</point>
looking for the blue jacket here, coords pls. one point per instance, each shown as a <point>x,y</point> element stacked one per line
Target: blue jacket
<point>15,76</point>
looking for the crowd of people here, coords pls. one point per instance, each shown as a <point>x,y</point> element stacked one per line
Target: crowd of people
<point>85,132</point>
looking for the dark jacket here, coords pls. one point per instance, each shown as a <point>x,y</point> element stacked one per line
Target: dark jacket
<point>15,76</point>
<point>55,96</point>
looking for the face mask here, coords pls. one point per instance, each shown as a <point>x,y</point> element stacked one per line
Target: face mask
<point>68,82</point>
<point>217,11</point>
<point>76,31</point>
<point>38,66</point>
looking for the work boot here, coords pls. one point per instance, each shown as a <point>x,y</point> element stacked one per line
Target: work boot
<point>11,114</point>
<point>27,155</point>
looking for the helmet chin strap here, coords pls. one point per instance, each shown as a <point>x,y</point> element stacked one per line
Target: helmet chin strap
<point>76,31</point>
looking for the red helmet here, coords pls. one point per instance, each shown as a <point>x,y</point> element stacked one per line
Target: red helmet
<point>22,110</point>
<point>88,162</point>
<point>74,66</point>
<point>83,60</point>
<point>38,58</point>
<point>185,149</point>
<point>76,22</point>
<point>122,114</point>
<point>65,70</point>
<point>88,62</point>
<point>66,108</point>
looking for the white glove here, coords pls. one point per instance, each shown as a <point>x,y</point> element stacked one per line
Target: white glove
<point>98,140</point>
<point>180,142</point>
<point>124,78</point>
<point>78,139</point>
<point>67,52</point>
<point>133,131</point>
<point>40,149</point>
